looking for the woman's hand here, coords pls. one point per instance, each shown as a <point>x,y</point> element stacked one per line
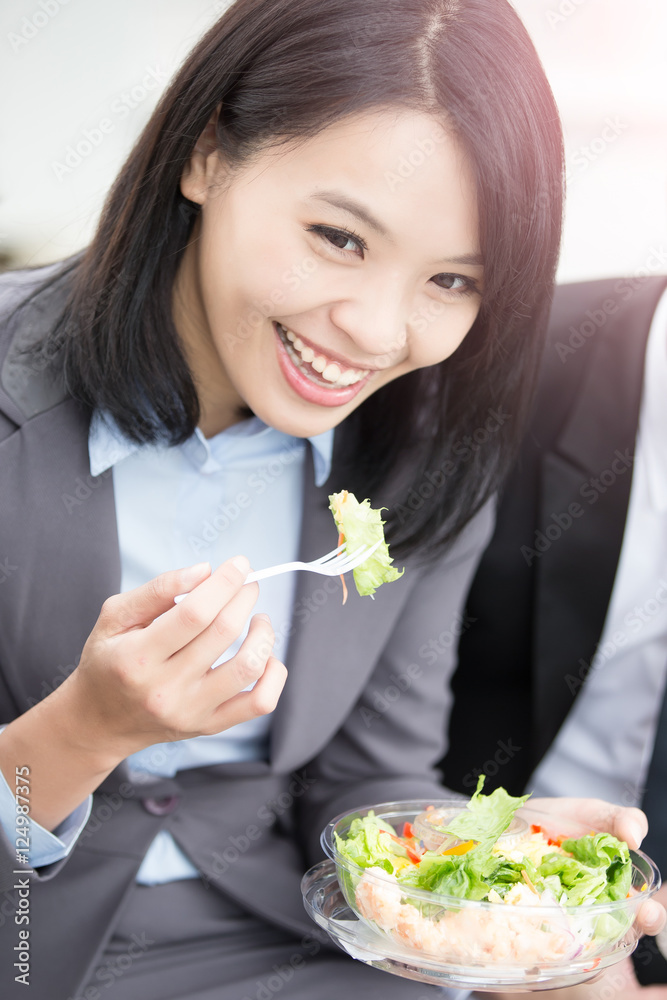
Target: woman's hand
<point>145,672</point>
<point>617,983</point>
<point>628,824</point>
<point>145,677</point>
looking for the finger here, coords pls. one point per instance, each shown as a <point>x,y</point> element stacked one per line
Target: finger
<point>247,665</point>
<point>628,824</point>
<point>198,656</point>
<point>185,621</point>
<point>139,607</point>
<point>651,917</point>
<point>247,705</point>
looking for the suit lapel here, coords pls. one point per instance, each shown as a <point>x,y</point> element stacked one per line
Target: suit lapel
<point>590,467</point>
<point>331,651</point>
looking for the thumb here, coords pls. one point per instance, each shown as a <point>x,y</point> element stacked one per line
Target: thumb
<point>138,608</point>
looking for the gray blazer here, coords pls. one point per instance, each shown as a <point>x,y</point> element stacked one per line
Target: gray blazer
<point>361,719</point>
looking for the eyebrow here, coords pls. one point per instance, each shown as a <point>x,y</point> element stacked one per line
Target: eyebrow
<point>352,207</point>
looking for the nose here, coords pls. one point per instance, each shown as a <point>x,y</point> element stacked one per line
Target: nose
<point>375,319</point>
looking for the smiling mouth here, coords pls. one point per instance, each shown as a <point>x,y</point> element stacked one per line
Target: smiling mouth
<point>316,367</point>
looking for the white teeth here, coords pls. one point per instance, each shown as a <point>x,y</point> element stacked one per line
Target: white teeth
<point>329,370</point>
<point>331,373</point>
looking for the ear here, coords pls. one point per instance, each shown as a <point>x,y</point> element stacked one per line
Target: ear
<point>204,165</point>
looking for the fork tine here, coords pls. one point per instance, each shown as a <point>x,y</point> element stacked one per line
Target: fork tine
<point>353,559</point>
<point>323,560</point>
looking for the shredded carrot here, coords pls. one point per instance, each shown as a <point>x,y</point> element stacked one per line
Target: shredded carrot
<point>534,828</point>
<point>460,848</point>
<point>408,831</point>
<point>526,877</point>
<point>341,539</point>
<point>412,854</point>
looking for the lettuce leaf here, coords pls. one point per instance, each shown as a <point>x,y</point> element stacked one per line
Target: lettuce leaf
<point>369,844</point>
<point>486,817</point>
<point>360,525</point>
<point>603,851</point>
<point>462,875</point>
<point>473,874</point>
<point>596,869</point>
<point>579,882</point>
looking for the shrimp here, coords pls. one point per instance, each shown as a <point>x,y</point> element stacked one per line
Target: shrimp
<point>378,897</point>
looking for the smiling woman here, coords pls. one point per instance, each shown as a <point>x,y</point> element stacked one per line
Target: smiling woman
<point>325,266</point>
<point>427,127</point>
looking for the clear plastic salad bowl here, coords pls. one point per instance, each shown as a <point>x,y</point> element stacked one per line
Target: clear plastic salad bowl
<point>512,943</point>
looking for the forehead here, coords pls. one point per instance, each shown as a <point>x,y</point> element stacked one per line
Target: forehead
<point>408,168</point>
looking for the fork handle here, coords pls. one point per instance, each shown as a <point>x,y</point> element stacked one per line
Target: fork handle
<point>260,574</point>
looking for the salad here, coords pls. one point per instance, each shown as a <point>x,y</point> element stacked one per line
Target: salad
<point>358,524</point>
<point>527,897</point>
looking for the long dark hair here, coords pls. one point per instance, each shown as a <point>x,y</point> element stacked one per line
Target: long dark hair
<point>286,69</point>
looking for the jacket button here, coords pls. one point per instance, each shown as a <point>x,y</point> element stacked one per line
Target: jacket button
<point>161,807</point>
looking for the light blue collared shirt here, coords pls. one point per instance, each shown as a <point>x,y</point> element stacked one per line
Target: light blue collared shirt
<point>206,500</point>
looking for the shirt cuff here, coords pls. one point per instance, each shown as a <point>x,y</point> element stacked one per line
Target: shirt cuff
<point>45,847</point>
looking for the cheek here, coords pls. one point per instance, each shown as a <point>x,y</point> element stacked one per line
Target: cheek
<point>438,330</point>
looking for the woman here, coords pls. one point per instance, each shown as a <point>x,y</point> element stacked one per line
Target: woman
<point>341,215</point>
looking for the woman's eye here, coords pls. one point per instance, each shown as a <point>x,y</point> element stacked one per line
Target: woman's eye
<point>454,283</point>
<point>341,240</point>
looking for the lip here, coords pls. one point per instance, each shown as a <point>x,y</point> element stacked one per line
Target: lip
<point>307,389</point>
<point>332,356</point>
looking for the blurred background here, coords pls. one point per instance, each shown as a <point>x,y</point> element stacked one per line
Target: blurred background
<point>80,79</point>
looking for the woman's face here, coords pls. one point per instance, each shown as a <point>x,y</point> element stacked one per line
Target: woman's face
<point>320,272</point>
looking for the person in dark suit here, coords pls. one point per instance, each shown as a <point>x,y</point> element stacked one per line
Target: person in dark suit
<point>567,615</point>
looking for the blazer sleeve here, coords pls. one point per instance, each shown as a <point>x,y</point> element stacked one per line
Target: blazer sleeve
<point>390,743</point>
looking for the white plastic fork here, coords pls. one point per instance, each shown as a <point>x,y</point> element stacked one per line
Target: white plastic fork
<point>332,564</point>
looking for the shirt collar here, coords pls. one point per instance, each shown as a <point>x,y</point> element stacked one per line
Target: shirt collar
<point>107,445</point>
<point>653,417</point>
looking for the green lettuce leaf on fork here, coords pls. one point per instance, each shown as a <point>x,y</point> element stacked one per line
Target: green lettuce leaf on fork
<point>359,524</point>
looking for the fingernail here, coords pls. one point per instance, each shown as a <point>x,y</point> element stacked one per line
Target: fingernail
<point>637,831</point>
<point>241,564</point>
<point>263,617</point>
<point>192,573</point>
